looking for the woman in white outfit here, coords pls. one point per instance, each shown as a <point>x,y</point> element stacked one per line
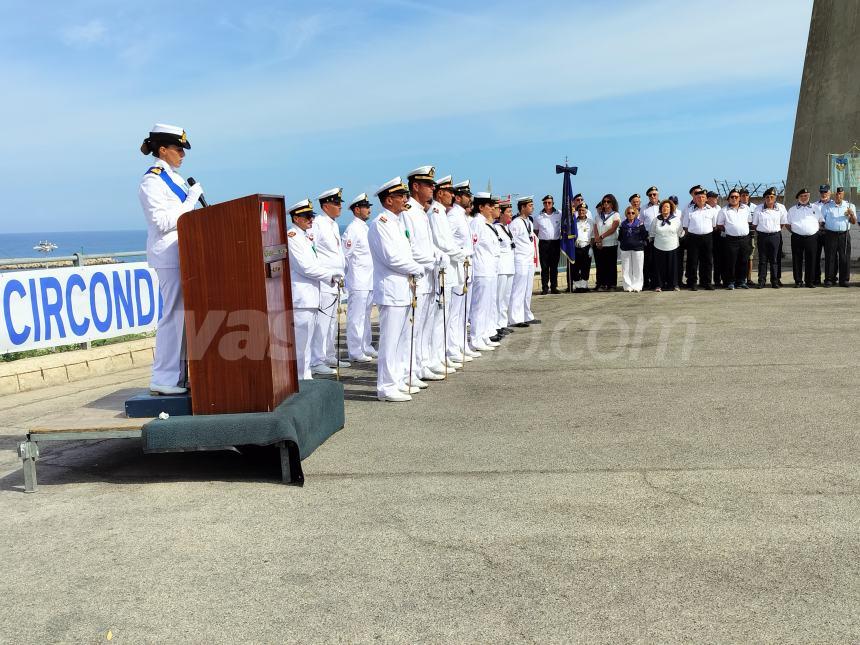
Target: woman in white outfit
<point>506,268</point>
<point>632,236</point>
<point>165,197</point>
<point>485,268</point>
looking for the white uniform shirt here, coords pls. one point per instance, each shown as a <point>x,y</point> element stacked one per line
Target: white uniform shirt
<point>162,209</point>
<point>392,260</point>
<point>460,229</point>
<point>524,250</point>
<point>770,220</point>
<point>649,214</point>
<point>443,237</point>
<point>804,220</point>
<point>735,220</point>
<point>667,233</point>
<point>603,223</point>
<point>329,250</point>
<point>700,221</point>
<point>487,247</point>
<point>548,226</point>
<point>356,251</point>
<point>584,232</point>
<point>306,271</point>
<point>424,252</point>
<point>506,253</point>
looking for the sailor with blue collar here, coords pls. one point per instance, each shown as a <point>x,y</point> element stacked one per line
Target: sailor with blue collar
<point>165,197</point>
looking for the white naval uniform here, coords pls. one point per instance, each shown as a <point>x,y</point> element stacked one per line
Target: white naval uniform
<point>485,268</point>
<point>507,266</point>
<point>459,225</point>
<point>307,275</point>
<point>444,240</point>
<point>524,270</point>
<point>330,254</point>
<point>425,253</point>
<point>162,209</point>
<point>392,266</point>
<point>359,286</point>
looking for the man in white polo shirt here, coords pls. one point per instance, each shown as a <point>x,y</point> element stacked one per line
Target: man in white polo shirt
<point>804,224</point>
<point>768,221</point>
<point>733,220</point>
<point>548,229</point>
<point>698,222</point>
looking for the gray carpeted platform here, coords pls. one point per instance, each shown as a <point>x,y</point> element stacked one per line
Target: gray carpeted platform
<point>299,425</point>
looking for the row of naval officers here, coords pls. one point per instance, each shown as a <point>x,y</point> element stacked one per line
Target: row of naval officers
<point>435,257</point>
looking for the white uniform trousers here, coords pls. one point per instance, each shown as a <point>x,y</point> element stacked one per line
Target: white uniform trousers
<point>520,288</point>
<point>422,312</point>
<point>393,329</point>
<point>438,347</point>
<point>483,318</point>
<point>529,290</point>
<point>303,325</point>
<point>168,366</point>
<point>457,316</point>
<point>504,283</point>
<point>358,332</point>
<point>632,263</point>
<point>325,328</point>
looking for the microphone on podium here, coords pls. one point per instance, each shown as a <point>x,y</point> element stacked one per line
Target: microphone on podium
<point>191,181</point>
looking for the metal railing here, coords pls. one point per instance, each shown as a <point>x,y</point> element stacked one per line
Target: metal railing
<point>77,259</point>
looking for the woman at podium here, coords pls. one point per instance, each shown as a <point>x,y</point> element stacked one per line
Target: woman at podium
<point>165,197</point>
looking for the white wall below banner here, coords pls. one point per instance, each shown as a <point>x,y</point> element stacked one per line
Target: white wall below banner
<point>53,307</point>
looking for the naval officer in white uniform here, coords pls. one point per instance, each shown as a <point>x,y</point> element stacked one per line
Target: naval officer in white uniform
<point>165,197</point>
<point>359,282</point>
<point>522,229</point>
<point>393,266</point>
<point>330,253</point>
<point>459,224</point>
<point>307,275</point>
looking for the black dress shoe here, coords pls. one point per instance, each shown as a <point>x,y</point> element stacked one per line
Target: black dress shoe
<point>555,291</point>
<point>760,285</point>
<point>521,325</point>
<point>709,287</point>
<point>544,292</point>
<point>827,285</point>
<point>843,284</point>
<point>694,288</point>
<point>508,329</point>
<point>502,332</point>
<point>797,285</point>
<point>536,321</point>
<point>810,286</point>
<point>495,338</point>
<point>775,285</point>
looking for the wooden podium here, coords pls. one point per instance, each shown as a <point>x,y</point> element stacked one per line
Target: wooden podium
<point>238,305</point>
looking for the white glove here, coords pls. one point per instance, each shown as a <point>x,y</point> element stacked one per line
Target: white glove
<point>194,194</point>
<point>443,262</point>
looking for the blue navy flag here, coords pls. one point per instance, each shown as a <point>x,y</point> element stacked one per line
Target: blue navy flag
<point>568,218</point>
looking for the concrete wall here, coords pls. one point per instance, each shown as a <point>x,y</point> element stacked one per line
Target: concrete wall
<point>828,112</point>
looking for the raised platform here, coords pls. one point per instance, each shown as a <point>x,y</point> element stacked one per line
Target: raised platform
<point>297,427</point>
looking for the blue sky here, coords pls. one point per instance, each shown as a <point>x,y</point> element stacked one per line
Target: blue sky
<point>295,97</point>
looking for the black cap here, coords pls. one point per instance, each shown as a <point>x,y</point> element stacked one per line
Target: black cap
<point>840,189</point>
<point>802,191</point>
<point>769,192</point>
<point>824,188</point>
<point>744,191</point>
<point>652,189</point>
<point>673,199</point>
<point>633,196</point>
<point>577,196</point>
<point>711,193</point>
<point>546,197</point>
<point>695,188</point>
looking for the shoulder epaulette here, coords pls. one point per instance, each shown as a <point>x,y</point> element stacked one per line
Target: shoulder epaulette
<point>155,170</point>
<point>291,233</point>
<point>383,219</point>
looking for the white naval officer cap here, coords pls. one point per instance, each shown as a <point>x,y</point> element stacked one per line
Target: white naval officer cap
<point>163,134</point>
<point>304,207</point>
<point>484,197</point>
<point>334,195</point>
<point>445,183</point>
<point>463,188</point>
<point>392,186</point>
<point>360,200</point>
<point>526,199</point>
<point>422,173</point>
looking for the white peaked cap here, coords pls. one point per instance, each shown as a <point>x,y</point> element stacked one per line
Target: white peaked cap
<point>423,172</point>
<point>526,198</point>
<point>331,192</point>
<point>463,184</point>
<point>359,198</point>
<point>397,182</point>
<point>304,206</point>
<point>164,128</point>
<point>483,196</point>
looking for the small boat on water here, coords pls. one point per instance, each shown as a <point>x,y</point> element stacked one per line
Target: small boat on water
<point>45,246</point>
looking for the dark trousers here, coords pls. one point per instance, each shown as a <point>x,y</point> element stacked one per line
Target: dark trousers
<point>736,255</point>
<point>665,269</point>
<point>803,257</point>
<point>836,251</point>
<point>680,265</point>
<point>779,255</point>
<point>582,265</point>
<point>768,252</point>
<point>549,252</point>
<point>819,253</point>
<point>719,253</point>
<point>606,259</point>
<point>699,254</point>
<point>648,276</point>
